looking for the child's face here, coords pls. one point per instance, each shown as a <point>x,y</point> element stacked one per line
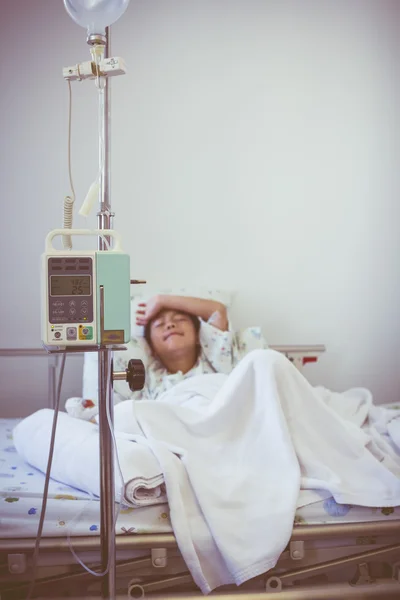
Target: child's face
<point>172,333</point>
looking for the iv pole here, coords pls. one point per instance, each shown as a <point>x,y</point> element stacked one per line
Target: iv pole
<point>107,495</point>
<point>134,374</point>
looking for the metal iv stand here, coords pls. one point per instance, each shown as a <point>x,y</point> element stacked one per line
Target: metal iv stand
<point>105,396</point>
<point>106,407</point>
<point>134,374</point>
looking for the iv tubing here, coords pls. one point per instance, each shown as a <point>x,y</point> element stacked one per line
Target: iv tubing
<point>69,200</point>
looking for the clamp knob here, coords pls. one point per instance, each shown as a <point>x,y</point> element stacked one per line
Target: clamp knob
<point>135,375</point>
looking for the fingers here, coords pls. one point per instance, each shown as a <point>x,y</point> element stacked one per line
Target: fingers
<point>141,320</point>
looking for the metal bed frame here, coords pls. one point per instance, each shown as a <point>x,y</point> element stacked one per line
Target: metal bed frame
<point>355,560</point>
<point>364,563</point>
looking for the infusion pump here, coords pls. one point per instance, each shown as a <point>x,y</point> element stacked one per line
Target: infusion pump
<point>86,295</point>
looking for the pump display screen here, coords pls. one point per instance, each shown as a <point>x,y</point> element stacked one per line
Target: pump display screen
<point>70,285</point>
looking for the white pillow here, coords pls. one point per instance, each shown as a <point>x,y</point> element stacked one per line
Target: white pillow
<point>136,348</point>
<point>247,340</point>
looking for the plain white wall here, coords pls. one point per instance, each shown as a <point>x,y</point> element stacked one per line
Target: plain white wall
<point>255,146</point>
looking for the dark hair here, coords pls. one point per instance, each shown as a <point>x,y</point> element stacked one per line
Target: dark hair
<point>147,330</point>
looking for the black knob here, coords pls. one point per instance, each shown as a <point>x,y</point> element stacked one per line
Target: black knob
<point>135,375</point>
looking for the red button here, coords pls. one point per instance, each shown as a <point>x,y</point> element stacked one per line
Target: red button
<point>309,359</point>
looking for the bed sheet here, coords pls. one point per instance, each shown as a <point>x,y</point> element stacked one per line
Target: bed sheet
<point>69,510</point>
<point>74,512</point>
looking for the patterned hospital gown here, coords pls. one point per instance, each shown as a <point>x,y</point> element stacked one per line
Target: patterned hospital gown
<point>216,356</point>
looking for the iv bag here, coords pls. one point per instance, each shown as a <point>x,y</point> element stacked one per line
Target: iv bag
<point>95,15</point>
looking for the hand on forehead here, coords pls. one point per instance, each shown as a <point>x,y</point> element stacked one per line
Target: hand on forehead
<point>147,311</point>
<point>152,309</point>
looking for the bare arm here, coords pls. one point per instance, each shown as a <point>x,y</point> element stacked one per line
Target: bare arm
<point>199,307</point>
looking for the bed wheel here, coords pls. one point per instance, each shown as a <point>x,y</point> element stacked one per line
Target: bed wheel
<point>273,584</point>
<point>135,375</point>
<point>135,591</point>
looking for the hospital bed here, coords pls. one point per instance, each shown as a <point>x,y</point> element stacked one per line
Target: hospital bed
<point>335,550</point>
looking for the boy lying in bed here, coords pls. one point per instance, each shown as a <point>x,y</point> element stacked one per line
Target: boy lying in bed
<point>186,337</point>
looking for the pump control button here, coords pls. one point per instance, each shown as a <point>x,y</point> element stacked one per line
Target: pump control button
<point>85,333</point>
<point>71,333</point>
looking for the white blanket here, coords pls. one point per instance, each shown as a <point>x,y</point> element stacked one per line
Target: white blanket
<point>76,457</point>
<point>234,452</point>
<point>380,423</point>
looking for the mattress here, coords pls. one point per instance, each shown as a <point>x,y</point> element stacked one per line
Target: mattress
<point>69,510</point>
<point>74,512</point>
